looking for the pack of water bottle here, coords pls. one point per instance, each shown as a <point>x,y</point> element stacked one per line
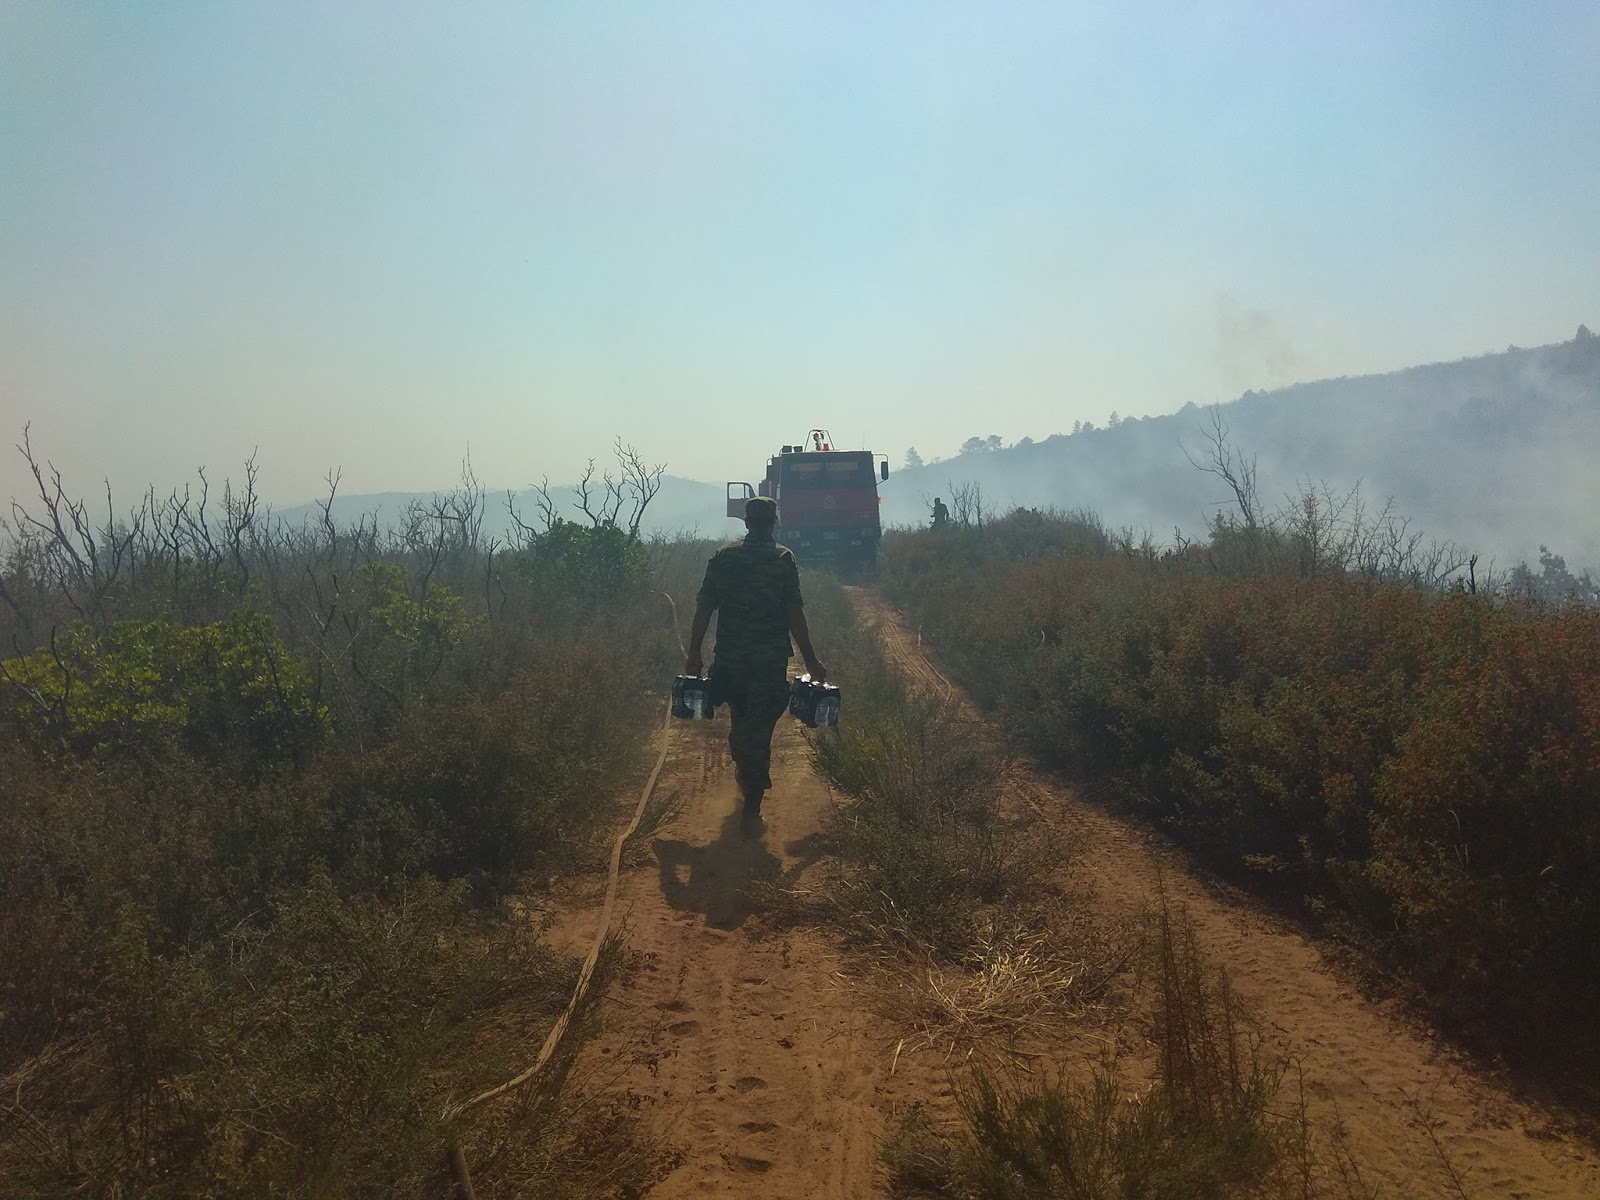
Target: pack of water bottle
<point>813,704</point>
<point>691,697</point>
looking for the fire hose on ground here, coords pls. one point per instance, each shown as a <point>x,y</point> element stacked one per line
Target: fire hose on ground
<point>457,1162</point>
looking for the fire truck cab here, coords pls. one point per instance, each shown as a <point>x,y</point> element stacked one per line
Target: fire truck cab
<point>827,501</point>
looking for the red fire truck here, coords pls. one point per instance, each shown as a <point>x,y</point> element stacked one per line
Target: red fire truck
<point>827,502</point>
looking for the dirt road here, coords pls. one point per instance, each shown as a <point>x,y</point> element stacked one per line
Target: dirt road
<point>1385,1081</point>
<point>773,1070</point>
<point>750,1050</point>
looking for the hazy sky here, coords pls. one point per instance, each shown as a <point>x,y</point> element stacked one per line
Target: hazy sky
<point>371,235</point>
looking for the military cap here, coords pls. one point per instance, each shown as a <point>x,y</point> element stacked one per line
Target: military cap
<point>763,510</point>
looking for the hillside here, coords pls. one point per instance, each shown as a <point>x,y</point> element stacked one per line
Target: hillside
<point>1494,452</point>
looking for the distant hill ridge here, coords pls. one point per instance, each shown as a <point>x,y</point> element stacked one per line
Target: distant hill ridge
<point>1498,453</point>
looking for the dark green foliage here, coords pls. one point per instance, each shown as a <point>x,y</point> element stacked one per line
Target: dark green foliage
<point>488,790</point>
<point>579,569</point>
<point>226,690</point>
<point>398,645</point>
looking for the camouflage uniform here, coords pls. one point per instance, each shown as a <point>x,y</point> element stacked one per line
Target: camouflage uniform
<point>752,584</point>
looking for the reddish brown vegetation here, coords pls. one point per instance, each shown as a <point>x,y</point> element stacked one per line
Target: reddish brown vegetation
<point>1418,767</point>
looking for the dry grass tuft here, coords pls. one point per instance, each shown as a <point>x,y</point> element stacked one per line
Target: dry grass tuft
<point>1007,995</point>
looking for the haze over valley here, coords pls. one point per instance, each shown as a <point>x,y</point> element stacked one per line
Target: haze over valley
<point>707,230</point>
<point>1495,453</point>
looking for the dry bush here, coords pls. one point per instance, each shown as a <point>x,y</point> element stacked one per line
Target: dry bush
<point>1003,1001</point>
<point>267,804</point>
<point>1219,1121</point>
<point>932,865</point>
<point>1406,765</point>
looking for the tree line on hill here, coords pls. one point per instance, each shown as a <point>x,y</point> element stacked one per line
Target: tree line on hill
<point>1495,453</point>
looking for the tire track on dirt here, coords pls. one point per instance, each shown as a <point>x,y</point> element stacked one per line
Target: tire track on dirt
<point>751,1050</point>
<point>1379,1078</point>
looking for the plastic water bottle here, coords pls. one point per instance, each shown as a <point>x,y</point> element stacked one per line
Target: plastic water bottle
<point>828,706</point>
<point>689,697</point>
<point>813,703</point>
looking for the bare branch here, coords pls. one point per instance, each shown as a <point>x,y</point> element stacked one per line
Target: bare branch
<point>1231,466</point>
<point>642,482</point>
<point>583,487</point>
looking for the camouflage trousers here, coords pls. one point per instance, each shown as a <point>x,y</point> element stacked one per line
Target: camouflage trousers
<point>756,698</point>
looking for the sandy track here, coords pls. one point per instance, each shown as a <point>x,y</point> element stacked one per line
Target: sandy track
<point>1373,1073</point>
<point>748,1049</point>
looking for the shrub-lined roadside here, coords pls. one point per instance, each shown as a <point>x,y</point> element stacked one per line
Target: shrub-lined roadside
<point>949,891</point>
<point>934,865</point>
<point>1220,1120</point>
<point>273,798</point>
<point>1416,766</point>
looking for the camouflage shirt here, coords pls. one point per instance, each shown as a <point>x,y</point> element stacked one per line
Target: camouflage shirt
<point>752,585</point>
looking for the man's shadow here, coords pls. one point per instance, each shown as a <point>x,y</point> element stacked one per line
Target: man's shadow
<point>715,880</point>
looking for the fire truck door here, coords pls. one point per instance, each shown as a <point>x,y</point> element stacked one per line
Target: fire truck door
<point>738,493</point>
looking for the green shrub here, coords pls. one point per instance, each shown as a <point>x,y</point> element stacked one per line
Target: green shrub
<point>490,790</point>
<point>224,690</point>
<point>576,569</point>
<point>401,643</point>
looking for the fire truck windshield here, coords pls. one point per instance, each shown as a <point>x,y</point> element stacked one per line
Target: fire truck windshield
<point>817,474</point>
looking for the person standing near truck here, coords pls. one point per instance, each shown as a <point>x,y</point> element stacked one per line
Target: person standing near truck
<point>754,588</point>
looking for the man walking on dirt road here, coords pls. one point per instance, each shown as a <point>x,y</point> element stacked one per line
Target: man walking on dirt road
<point>754,586</point>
